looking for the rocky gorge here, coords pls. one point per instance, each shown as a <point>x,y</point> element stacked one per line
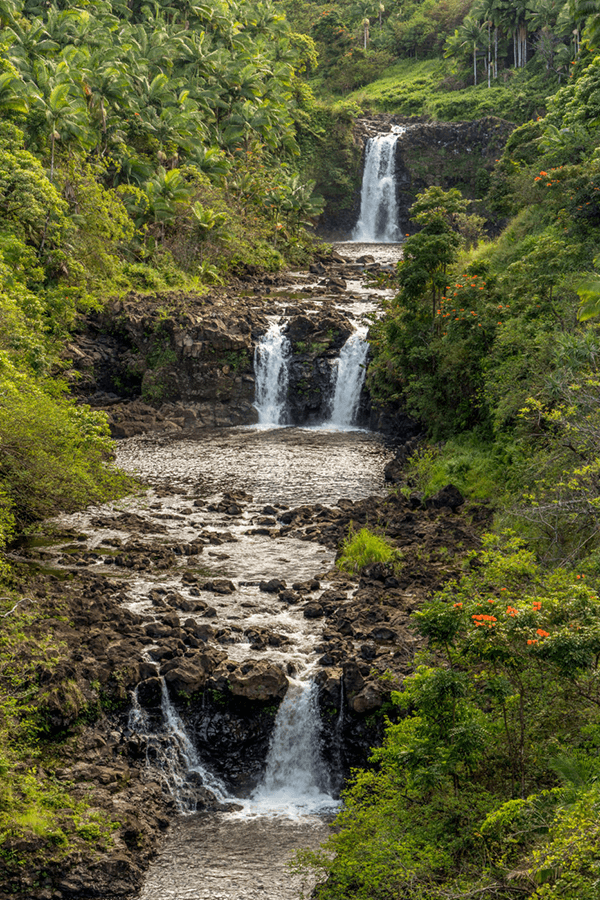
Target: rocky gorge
<point>182,618</point>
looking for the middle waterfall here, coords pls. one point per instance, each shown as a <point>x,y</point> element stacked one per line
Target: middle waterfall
<point>271,371</point>
<point>349,375</point>
<point>378,219</point>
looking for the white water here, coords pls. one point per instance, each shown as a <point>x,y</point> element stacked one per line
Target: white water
<point>271,372</point>
<point>349,376</point>
<point>296,780</point>
<point>378,219</point>
<point>171,751</point>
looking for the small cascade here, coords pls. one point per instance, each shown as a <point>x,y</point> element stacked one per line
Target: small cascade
<point>378,219</point>
<point>296,779</point>
<point>349,375</point>
<point>172,752</point>
<point>271,358</point>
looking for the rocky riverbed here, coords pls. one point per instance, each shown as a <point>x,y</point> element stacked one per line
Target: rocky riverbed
<point>225,592</point>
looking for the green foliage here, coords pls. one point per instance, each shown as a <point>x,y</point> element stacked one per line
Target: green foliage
<point>55,455</point>
<point>465,795</point>
<point>362,548</point>
<point>33,802</point>
<point>477,469</point>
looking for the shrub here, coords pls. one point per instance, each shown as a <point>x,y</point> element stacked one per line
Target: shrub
<point>363,548</point>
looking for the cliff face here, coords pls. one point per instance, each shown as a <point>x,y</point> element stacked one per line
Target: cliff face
<point>449,154</point>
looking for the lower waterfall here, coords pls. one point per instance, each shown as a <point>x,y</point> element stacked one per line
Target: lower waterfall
<point>296,778</point>
<point>171,751</point>
<point>349,373</point>
<point>271,373</point>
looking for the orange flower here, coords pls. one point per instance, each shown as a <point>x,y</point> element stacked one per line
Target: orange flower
<point>531,641</point>
<point>459,605</point>
<point>537,605</point>
<point>542,633</point>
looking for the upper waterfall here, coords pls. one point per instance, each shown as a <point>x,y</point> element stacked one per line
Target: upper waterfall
<point>378,219</point>
<point>271,372</point>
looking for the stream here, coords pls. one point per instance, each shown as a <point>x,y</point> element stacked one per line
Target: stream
<point>244,854</point>
<point>193,556</point>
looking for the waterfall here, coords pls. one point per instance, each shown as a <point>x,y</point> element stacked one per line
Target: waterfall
<point>378,219</point>
<point>296,778</point>
<point>176,758</point>
<point>271,372</point>
<point>349,374</point>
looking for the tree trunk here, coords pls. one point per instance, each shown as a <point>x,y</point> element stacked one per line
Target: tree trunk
<point>489,55</point>
<point>474,62</point>
<point>496,52</point>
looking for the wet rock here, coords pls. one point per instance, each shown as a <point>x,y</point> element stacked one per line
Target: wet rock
<point>329,683</point>
<point>382,634</point>
<point>254,680</point>
<point>368,651</point>
<point>289,596</point>
<point>273,586</point>
<point>149,692</point>
<point>184,676</point>
<point>368,700</point>
<point>201,630</point>
<point>353,680</point>
<point>220,586</point>
<point>312,611</point>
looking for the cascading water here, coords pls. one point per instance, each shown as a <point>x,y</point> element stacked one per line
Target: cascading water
<point>296,779</point>
<point>171,751</point>
<point>349,374</point>
<point>271,372</point>
<point>378,219</point>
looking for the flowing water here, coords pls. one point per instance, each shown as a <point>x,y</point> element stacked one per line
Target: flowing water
<point>243,854</point>
<point>378,219</point>
<point>271,370</point>
<point>350,371</point>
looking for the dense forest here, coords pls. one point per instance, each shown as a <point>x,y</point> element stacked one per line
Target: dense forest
<point>147,147</point>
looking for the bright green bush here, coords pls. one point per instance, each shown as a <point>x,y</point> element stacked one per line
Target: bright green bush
<point>362,548</point>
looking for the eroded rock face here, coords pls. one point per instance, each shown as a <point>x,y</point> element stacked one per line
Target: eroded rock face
<point>183,362</point>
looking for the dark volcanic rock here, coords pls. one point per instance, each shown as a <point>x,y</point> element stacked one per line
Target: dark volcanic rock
<point>448,496</point>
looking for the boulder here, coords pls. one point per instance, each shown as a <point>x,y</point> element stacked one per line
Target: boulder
<point>312,611</point>
<point>253,679</point>
<point>367,700</point>
<point>353,680</point>
<point>220,586</point>
<point>448,496</point>
<point>273,586</point>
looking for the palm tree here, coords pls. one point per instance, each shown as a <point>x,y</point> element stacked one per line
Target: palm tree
<point>471,32</point>
<point>62,107</point>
